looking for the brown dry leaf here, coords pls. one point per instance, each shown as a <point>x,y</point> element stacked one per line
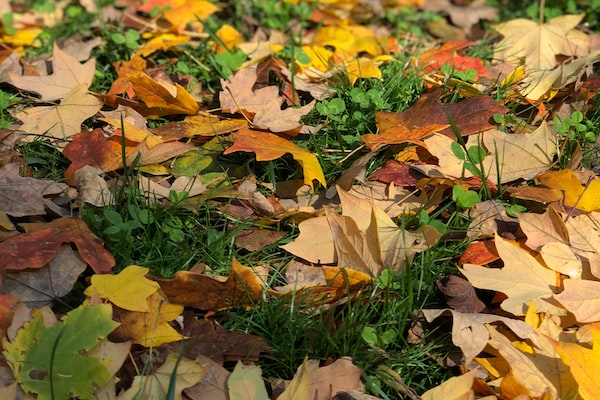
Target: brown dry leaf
<point>472,115</point>
<point>364,237</point>
<point>543,228</point>
<point>241,288</point>
<point>520,155</point>
<point>23,196</point>
<point>463,14</point>
<point>67,74</point>
<point>460,294</point>
<point>262,106</point>
<point>150,328</point>
<point>162,97</point>
<point>538,43</point>
<point>213,385</point>
<point>469,331</point>
<point>63,120</point>
<point>38,287</point>
<point>320,383</point>
<point>268,146</point>
<point>209,339</point>
<point>41,242</point>
<point>535,283</point>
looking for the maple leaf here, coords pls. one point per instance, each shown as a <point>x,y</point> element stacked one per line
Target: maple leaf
<point>41,286</point>
<point>162,97</point>
<point>22,196</point>
<point>157,386</point>
<point>538,43</point>
<point>122,84</point>
<point>67,74</point>
<point>470,116</point>
<point>268,146</point>
<point>469,331</point>
<point>242,287</point>
<point>585,198</point>
<point>455,388</point>
<point>41,242</point>
<point>150,328</point>
<point>584,363</point>
<point>161,42</point>
<point>95,149</point>
<point>447,54</point>
<point>31,353</point>
<point>246,382</point>
<point>262,106</point>
<point>129,289</point>
<point>536,282</point>
<point>582,298</point>
<point>63,120</point>
<point>364,237</point>
<point>396,134</point>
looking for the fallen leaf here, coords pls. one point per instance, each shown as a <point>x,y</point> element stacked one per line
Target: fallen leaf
<point>162,97</point>
<point>96,150</point>
<point>582,298</point>
<point>399,134</point>
<point>538,43</point>
<point>67,75</point>
<point>24,196</point>
<point>583,363</point>
<point>161,42</point>
<point>182,372</point>
<point>585,198</point>
<point>455,388</point>
<point>469,331</point>
<point>268,146</point>
<point>470,116</point>
<point>536,282</point>
<point>460,294</point>
<point>242,288</point>
<point>246,383</point>
<point>128,289</point>
<point>213,384</point>
<point>38,287</point>
<point>41,242</point>
<point>150,329</point>
<point>63,120</point>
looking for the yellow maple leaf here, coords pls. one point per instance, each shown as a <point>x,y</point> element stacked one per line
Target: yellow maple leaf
<point>129,289</point>
<point>161,42</point>
<point>583,362</point>
<point>586,198</point>
<point>151,328</point>
<point>164,98</point>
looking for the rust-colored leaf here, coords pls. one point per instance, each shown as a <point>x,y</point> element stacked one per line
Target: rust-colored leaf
<point>95,149</point>
<point>241,288</point>
<point>268,146</point>
<point>40,244</point>
<point>472,115</point>
<point>390,132</point>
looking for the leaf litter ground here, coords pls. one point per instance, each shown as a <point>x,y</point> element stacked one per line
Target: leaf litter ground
<point>243,184</point>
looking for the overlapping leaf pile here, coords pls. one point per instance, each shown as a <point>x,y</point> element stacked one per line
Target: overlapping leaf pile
<point>536,337</point>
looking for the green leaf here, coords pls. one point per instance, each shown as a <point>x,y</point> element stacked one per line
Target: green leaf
<point>458,151</point>
<point>369,335</point>
<point>465,198</point>
<point>191,163</point>
<point>476,154</point>
<point>51,362</point>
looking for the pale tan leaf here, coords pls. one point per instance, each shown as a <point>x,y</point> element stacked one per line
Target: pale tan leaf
<point>560,258</point>
<point>535,282</point>
<point>67,74</point>
<point>582,298</point>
